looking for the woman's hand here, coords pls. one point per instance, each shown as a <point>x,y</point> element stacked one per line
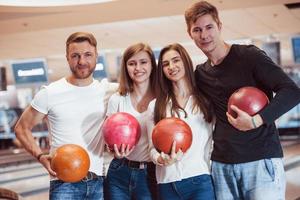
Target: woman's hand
<point>165,159</point>
<point>123,152</point>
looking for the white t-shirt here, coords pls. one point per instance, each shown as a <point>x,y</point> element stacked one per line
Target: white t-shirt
<point>118,103</point>
<point>75,115</point>
<point>196,160</point>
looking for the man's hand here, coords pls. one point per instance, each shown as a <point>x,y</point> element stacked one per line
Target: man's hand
<point>243,121</point>
<point>45,160</point>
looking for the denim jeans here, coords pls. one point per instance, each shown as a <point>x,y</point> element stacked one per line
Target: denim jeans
<point>83,190</point>
<point>262,179</point>
<point>194,188</point>
<point>125,183</point>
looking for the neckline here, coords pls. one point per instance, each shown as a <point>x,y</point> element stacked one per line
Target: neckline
<point>76,86</point>
<point>133,108</point>
<point>223,59</point>
<point>187,102</point>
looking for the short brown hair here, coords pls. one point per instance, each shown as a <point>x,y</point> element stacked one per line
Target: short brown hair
<point>126,84</point>
<point>199,9</point>
<point>81,37</point>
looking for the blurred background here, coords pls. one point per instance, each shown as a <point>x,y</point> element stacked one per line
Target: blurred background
<point>32,53</point>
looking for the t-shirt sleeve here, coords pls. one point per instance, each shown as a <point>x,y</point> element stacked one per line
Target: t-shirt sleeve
<point>113,104</point>
<point>40,101</point>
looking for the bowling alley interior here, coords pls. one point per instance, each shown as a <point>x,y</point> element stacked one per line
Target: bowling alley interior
<point>32,54</point>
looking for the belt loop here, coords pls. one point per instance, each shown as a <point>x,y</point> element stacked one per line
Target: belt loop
<point>142,165</point>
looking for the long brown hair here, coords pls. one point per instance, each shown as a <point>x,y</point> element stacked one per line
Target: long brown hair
<point>126,84</point>
<point>165,91</point>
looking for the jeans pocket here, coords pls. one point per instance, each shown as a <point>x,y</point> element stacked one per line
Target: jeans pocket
<point>115,164</point>
<point>270,168</point>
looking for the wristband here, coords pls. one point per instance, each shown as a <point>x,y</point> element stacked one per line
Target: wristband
<point>40,155</point>
<point>253,122</point>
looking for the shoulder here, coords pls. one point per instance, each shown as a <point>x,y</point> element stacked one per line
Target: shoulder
<point>51,89</point>
<point>41,99</point>
<point>110,86</point>
<point>55,87</point>
<point>56,84</point>
<point>115,97</point>
<point>107,87</point>
<point>246,50</point>
<point>200,66</point>
<point>46,88</point>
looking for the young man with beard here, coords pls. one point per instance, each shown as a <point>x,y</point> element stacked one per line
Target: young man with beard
<point>247,155</point>
<point>74,108</point>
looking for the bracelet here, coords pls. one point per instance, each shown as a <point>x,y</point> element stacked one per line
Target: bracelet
<point>253,122</point>
<point>40,155</point>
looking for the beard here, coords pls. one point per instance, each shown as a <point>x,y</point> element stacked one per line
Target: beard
<point>79,73</point>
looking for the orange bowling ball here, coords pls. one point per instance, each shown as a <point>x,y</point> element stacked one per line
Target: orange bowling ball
<point>169,130</point>
<point>71,163</point>
<point>249,99</point>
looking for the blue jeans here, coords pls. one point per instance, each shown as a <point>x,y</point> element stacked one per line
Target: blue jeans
<point>194,188</point>
<point>83,190</point>
<point>262,179</point>
<point>124,182</point>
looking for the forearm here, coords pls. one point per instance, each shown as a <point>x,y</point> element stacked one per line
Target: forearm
<point>283,101</point>
<point>155,156</point>
<point>26,138</point>
<point>272,79</point>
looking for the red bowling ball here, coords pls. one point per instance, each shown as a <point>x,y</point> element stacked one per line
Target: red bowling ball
<point>169,130</point>
<point>70,162</point>
<point>248,99</point>
<point>121,128</point>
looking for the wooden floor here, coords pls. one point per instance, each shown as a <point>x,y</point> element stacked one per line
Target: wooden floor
<point>292,156</point>
<point>32,181</point>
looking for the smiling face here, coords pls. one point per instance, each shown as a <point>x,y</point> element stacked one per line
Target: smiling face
<point>139,67</point>
<point>173,66</point>
<point>206,33</point>
<point>82,59</point>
